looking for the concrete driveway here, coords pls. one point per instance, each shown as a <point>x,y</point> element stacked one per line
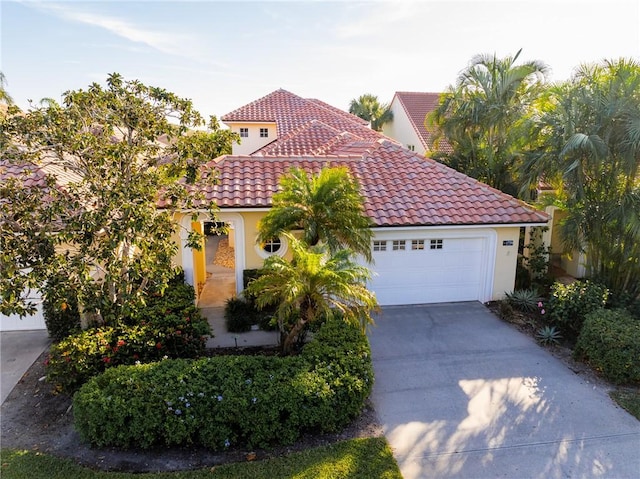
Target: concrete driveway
<point>462,394</point>
<point>18,351</point>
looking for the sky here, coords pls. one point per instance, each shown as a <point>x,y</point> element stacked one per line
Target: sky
<point>225,54</point>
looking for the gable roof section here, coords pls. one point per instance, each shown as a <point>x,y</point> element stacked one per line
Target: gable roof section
<point>303,125</point>
<point>417,105</point>
<point>307,139</point>
<point>400,187</point>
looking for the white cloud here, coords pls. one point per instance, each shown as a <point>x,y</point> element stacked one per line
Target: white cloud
<point>169,42</point>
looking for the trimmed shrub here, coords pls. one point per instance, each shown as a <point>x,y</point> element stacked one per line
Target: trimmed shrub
<point>60,309</point>
<point>172,327</point>
<point>610,343</point>
<point>239,315</point>
<point>252,401</point>
<point>569,304</point>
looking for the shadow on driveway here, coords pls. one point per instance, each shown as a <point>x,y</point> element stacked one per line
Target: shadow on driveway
<point>461,394</point>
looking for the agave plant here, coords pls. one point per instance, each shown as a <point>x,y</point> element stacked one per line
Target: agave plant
<point>548,335</point>
<point>525,300</point>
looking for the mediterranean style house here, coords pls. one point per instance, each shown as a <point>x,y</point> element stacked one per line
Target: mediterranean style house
<point>439,235</point>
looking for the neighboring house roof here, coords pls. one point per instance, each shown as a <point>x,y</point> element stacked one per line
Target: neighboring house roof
<point>400,187</point>
<point>304,126</point>
<point>33,175</point>
<point>417,105</point>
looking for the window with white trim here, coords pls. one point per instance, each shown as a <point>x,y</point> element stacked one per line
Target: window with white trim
<point>435,244</point>
<point>417,244</point>
<point>411,147</point>
<point>272,246</point>
<point>244,132</point>
<point>379,245</point>
<point>398,245</point>
<point>264,132</point>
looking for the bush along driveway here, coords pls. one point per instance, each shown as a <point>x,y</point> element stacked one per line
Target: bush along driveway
<point>461,394</point>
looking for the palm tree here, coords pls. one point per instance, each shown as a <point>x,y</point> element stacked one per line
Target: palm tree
<point>4,95</point>
<point>369,108</point>
<point>487,119</point>
<point>592,126</point>
<point>327,207</point>
<point>313,286</point>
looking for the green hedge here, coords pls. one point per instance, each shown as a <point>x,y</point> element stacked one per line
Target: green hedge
<point>610,343</point>
<point>569,304</point>
<point>230,400</point>
<point>171,325</point>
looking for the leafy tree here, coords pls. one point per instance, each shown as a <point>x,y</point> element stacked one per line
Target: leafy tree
<point>327,207</point>
<point>592,133</point>
<point>369,108</point>
<point>109,155</point>
<point>313,286</point>
<point>487,118</point>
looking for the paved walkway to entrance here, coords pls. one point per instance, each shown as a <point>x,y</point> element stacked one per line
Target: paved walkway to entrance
<point>220,286</point>
<point>461,394</point>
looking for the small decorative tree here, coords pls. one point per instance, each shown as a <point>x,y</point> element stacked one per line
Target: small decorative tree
<point>314,286</point>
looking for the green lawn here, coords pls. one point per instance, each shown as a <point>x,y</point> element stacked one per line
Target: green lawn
<point>629,400</point>
<point>357,458</point>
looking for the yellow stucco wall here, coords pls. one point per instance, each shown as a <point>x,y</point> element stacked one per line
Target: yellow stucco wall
<point>252,258</point>
<point>505,263</point>
<point>253,142</point>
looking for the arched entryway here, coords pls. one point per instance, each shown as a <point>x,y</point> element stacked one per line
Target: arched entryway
<point>215,280</point>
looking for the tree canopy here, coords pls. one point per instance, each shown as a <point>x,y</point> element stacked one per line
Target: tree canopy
<point>369,108</point>
<point>487,118</point>
<point>591,127</point>
<point>4,94</point>
<point>109,156</point>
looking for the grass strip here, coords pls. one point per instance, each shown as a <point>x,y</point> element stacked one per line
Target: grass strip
<point>356,458</point>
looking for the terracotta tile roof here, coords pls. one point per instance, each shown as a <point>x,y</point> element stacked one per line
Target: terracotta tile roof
<point>417,105</point>
<point>340,112</point>
<point>309,138</point>
<point>34,175</point>
<point>31,175</point>
<point>400,187</point>
<point>293,115</point>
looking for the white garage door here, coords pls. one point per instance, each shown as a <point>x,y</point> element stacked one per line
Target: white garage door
<point>445,266</point>
<point>16,323</point>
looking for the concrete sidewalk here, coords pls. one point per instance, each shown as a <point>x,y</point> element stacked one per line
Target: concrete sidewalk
<point>18,351</point>
<point>460,394</point>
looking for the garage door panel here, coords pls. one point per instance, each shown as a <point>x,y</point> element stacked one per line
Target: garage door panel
<point>454,270</point>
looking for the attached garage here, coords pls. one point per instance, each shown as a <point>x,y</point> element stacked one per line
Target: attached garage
<point>419,266</point>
